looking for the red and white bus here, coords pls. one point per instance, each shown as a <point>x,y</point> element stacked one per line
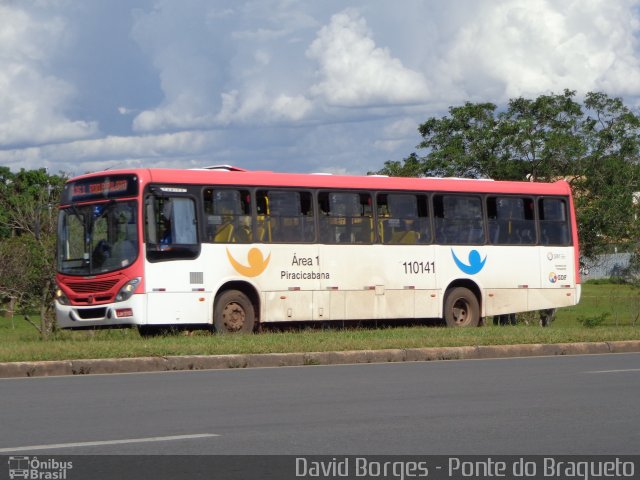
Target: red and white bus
<point>232,248</point>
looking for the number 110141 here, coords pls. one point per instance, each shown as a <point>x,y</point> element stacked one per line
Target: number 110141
<point>418,268</point>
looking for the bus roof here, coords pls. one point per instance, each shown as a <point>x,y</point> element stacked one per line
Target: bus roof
<point>239,177</point>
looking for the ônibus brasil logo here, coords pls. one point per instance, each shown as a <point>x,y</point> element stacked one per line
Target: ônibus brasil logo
<point>257,263</point>
<point>474,263</point>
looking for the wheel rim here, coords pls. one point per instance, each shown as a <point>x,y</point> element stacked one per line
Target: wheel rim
<point>233,317</point>
<point>461,311</point>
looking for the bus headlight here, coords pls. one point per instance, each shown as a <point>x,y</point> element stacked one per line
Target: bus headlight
<point>61,297</point>
<point>127,290</point>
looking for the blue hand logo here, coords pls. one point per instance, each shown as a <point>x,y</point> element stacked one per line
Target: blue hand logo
<point>475,263</point>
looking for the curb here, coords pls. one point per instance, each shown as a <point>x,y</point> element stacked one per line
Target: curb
<point>254,360</point>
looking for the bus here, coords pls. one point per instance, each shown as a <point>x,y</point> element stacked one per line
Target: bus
<point>229,249</point>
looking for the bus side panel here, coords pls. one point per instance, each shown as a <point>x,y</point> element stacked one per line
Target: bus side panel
<point>543,298</point>
<point>329,305</point>
<point>288,306</point>
<point>176,293</point>
<point>557,268</point>
<point>510,271</point>
<point>557,279</point>
<point>506,300</point>
<point>350,278</point>
<point>379,281</point>
<point>286,276</point>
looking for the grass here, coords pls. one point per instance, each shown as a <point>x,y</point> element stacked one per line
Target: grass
<point>620,302</point>
<point>614,311</point>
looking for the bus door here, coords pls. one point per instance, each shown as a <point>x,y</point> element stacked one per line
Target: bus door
<point>174,278</point>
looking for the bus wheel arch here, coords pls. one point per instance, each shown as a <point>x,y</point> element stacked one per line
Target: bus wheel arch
<point>236,308</point>
<point>462,306</point>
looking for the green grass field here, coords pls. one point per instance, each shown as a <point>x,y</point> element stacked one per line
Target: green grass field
<point>613,310</point>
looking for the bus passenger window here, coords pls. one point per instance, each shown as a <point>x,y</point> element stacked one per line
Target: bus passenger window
<point>554,225</point>
<point>285,216</point>
<point>345,217</point>
<point>511,221</point>
<point>403,219</point>
<point>458,219</point>
<point>228,215</point>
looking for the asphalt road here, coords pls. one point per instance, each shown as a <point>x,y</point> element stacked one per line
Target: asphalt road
<point>548,405</point>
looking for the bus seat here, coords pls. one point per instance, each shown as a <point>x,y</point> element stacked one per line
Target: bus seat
<point>263,231</point>
<point>224,234</point>
<point>407,237</point>
<point>242,234</point>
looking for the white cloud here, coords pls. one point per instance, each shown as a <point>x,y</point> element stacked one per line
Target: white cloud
<point>32,100</point>
<point>400,133</point>
<point>402,128</point>
<point>185,48</point>
<point>116,151</point>
<point>122,110</point>
<point>355,73</point>
<point>195,70</point>
<point>288,107</point>
<point>285,84</point>
<point>526,47</point>
<point>259,107</point>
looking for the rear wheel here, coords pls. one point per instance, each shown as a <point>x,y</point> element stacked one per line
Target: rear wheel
<point>233,312</point>
<point>461,308</point>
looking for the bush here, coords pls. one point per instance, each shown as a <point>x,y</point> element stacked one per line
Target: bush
<point>593,321</point>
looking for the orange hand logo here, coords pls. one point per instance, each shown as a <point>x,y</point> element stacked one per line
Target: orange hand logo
<point>257,263</point>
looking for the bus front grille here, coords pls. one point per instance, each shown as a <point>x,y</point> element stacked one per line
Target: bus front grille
<point>87,286</point>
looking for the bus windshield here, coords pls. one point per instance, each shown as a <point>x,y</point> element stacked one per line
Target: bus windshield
<point>97,238</point>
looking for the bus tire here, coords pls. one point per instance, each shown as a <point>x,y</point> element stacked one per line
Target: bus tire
<point>233,312</point>
<point>461,308</point>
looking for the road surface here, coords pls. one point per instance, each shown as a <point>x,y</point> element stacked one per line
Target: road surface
<point>547,405</point>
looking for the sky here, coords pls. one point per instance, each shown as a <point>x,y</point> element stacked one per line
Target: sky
<point>284,85</point>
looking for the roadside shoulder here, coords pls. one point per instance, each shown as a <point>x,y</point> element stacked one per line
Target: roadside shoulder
<point>253,360</point>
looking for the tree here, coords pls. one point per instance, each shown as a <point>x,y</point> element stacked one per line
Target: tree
<point>604,194</point>
<point>595,146</point>
<point>462,145</point>
<point>28,204</point>
<point>542,135</point>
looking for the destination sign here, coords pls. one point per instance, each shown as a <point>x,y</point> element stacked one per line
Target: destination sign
<point>100,188</point>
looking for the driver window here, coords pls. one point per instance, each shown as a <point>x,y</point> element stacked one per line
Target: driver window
<point>171,228</point>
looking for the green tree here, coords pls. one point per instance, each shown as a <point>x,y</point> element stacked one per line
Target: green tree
<point>463,144</point>
<point>28,203</point>
<point>541,135</point>
<point>609,174</point>
<point>594,145</point>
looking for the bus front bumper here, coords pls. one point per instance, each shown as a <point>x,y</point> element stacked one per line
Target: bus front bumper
<point>130,312</point>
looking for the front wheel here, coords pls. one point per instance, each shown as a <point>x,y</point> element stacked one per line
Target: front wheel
<point>233,312</point>
<point>461,308</point>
